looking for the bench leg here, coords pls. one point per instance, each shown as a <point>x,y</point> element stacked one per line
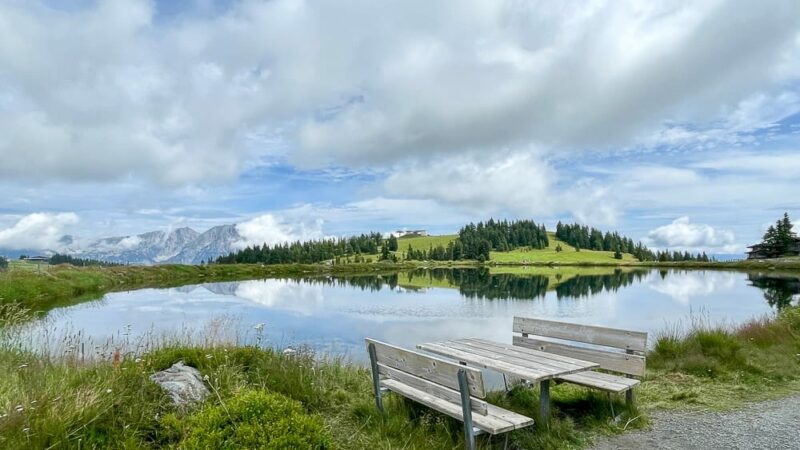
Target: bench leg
<point>544,402</point>
<point>466,409</point>
<point>376,378</point>
<point>629,398</point>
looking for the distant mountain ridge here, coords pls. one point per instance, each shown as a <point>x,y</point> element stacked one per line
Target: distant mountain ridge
<point>180,245</point>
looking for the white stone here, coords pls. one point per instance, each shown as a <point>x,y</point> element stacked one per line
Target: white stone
<point>183,383</point>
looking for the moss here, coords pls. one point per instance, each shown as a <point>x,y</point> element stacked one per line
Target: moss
<point>253,419</point>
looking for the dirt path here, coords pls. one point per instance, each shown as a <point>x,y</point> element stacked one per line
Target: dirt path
<point>768,425</point>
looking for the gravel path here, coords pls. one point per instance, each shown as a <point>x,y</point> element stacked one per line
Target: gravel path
<point>768,425</point>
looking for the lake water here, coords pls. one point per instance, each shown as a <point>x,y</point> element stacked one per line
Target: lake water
<point>334,315</point>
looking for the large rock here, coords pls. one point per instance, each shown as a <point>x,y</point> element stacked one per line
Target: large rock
<point>184,384</point>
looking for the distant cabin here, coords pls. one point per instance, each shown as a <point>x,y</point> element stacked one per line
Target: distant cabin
<point>410,233</point>
<point>36,259</point>
<point>757,251</point>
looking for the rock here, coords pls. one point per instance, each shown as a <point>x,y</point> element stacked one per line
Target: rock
<point>183,383</point>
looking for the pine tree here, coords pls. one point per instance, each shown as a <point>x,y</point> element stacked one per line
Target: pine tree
<point>385,253</point>
<point>617,253</point>
<point>393,243</point>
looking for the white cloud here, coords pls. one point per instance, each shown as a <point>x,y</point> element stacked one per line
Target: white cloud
<point>271,229</point>
<point>519,183</point>
<point>686,286</point>
<point>681,234</point>
<point>108,91</point>
<point>37,231</point>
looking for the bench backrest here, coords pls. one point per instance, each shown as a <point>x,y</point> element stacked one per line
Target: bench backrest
<point>623,352</point>
<point>429,374</point>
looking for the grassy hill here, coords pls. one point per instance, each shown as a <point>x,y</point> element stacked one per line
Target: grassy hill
<point>424,242</point>
<point>568,255</point>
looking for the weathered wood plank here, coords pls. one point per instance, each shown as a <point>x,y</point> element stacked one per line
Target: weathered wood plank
<point>616,362</point>
<point>489,363</point>
<point>610,337</point>
<point>496,421</point>
<point>478,406</point>
<point>545,365</point>
<point>430,368</point>
<point>564,364</point>
<point>599,380</point>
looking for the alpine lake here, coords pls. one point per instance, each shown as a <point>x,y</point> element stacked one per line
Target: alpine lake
<point>331,316</point>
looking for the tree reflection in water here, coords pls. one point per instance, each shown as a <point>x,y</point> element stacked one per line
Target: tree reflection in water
<point>779,291</point>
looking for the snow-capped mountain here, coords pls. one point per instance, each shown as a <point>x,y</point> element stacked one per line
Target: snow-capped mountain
<point>181,245</point>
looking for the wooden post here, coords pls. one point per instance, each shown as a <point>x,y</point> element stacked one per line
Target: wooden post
<point>629,392</point>
<point>466,408</point>
<point>376,379</point>
<point>544,402</point>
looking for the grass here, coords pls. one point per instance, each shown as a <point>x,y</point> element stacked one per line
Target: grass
<point>567,255</point>
<point>424,242</point>
<point>59,400</point>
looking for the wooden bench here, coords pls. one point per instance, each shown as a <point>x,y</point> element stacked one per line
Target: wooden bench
<point>445,386</point>
<point>622,351</point>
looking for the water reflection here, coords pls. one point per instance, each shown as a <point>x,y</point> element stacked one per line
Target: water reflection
<point>484,284</point>
<point>779,291</point>
<point>334,314</point>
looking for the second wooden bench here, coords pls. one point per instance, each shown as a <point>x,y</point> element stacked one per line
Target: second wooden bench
<point>620,353</point>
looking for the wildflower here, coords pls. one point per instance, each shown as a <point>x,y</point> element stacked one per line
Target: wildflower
<point>108,391</point>
<point>25,430</point>
<point>19,408</point>
<point>137,360</point>
<point>209,356</point>
<point>259,327</point>
<point>289,351</point>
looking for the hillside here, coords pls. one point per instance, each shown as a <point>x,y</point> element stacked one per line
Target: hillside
<point>568,255</point>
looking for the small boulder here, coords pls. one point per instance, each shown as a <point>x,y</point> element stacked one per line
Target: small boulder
<point>183,383</point>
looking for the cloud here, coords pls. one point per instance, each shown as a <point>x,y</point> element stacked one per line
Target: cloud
<point>685,286</point>
<point>519,183</point>
<point>37,231</point>
<point>681,234</point>
<point>271,229</point>
<point>107,91</point>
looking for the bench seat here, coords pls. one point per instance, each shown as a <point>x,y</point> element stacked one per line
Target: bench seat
<point>603,381</point>
<point>496,421</point>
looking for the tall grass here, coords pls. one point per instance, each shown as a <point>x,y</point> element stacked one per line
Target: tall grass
<point>55,399</point>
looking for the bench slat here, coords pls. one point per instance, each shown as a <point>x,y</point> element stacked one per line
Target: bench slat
<point>522,372</point>
<point>478,406</point>
<point>524,353</point>
<point>599,380</point>
<point>496,421</point>
<point>519,360</point>
<point>616,362</point>
<point>611,337</point>
<point>427,367</point>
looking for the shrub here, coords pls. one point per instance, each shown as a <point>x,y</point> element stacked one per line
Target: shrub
<point>255,420</point>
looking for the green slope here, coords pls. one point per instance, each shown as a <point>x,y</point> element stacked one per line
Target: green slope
<point>523,256</point>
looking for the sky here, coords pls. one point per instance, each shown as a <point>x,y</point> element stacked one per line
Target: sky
<point>673,122</point>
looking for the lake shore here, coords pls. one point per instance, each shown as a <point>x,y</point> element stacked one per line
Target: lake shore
<point>62,285</point>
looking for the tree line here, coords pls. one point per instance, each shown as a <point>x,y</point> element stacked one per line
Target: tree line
<point>58,258</point>
<point>476,241</point>
<point>307,252</point>
<point>590,238</point>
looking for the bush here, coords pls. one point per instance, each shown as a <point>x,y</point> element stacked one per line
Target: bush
<point>255,420</point>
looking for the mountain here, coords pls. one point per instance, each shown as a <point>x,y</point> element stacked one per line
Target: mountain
<point>181,245</point>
